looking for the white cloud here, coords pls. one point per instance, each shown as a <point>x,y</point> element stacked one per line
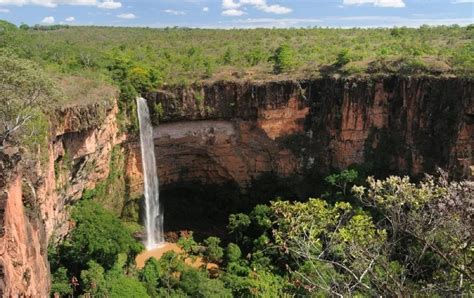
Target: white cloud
<point>233,13</point>
<point>388,22</point>
<point>48,20</point>
<point>109,4</point>
<point>278,9</point>
<point>70,19</point>
<point>174,12</point>
<point>106,4</point>
<point>274,23</point>
<point>205,9</point>
<point>379,3</point>
<point>230,5</point>
<point>127,16</point>
<point>4,10</point>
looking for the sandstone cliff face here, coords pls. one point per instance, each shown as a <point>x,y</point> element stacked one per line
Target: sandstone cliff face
<point>78,158</point>
<point>24,269</point>
<point>224,132</point>
<point>237,131</point>
<point>404,125</point>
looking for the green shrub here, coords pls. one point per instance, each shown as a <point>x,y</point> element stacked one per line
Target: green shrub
<point>150,275</point>
<point>195,283</point>
<point>213,252</point>
<point>283,59</point>
<point>60,282</point>
<point>343,57</point>
<point>233,253</point>
<point>98,236</point>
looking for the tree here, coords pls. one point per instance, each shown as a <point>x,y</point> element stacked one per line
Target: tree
<point>6,26</point>
<point>233,253</point>
<point>188,245</point>
<point>283,59</point>
<point>333,249</point>
<point>98,236</point>
<point>150,275</point>
<point>123,286</point>
<point>171,264</point>
<point>26,92</point>
<point>343,57</point>
<point>60,283</point>
<point>196,283</point>
<point>436,218</point>
<point>24,26</point>
<point>213,252</point>
<point>93,280</point>
<point>238,224</point>
<point>343,180</point>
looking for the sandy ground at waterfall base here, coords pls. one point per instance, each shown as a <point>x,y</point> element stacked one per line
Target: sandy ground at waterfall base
<point>158,252</point>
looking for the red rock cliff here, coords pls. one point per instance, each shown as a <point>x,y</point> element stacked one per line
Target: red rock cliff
<point>78,158</point>
<point>228,131</point>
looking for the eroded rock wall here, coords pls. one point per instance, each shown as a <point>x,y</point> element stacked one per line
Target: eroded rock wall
<point>397,125</point>
<point>392,124</point>
<point>24,269</point>
<point>77,158</point>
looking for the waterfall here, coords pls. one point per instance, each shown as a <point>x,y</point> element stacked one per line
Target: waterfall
<point>153,210</point>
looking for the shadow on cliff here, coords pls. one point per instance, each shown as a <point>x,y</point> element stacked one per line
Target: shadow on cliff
<point>205,208</point>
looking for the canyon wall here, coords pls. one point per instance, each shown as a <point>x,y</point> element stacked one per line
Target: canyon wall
<point>24,269</point>
<point>229,135</point>
<point>236,131</point>
<point>35,196</point>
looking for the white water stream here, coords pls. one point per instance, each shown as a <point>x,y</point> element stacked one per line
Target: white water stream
<point>153,210</point>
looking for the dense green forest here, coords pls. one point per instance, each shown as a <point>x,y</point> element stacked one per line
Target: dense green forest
<point>397,238</point>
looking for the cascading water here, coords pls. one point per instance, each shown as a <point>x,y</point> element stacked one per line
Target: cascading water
<point>153,210</point>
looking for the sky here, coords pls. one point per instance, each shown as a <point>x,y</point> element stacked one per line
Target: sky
<point>239,13</point>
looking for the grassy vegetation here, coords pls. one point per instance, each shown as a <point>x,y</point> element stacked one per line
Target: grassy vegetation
<point>173,55</point>
<point>86,61</point>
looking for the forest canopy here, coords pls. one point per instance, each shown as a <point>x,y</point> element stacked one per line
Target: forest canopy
<point>183,55</point>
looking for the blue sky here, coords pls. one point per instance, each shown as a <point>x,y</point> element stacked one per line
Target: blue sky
<point>239,13</point>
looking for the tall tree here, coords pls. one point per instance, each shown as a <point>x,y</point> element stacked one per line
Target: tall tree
<point>25,92</point>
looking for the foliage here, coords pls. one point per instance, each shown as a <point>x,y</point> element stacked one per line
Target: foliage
<point>238,223</point>
<point>123,286</point>
<point>188,245</point>
<point>93,279</point>
<point>283,59</point>
<point>342,179</point>
<point>436,216</point>
<point>111,193</point>
<point>98,254</point>
<point>61,283</point>
<point>26,93</point>
<point>412,239</point>
<point>98,236</point>
<point>344,57</point>
<point>232,253</point>
<point>195,283</point>
<point>130,55</point>
<point>213,252</point>
<point>150,275</point>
